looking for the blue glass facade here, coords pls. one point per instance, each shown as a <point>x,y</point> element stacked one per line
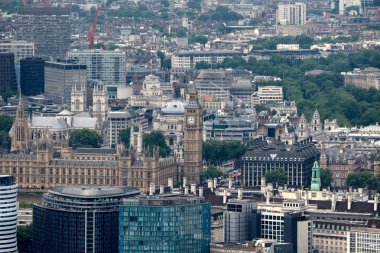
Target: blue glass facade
<point>165,224</point>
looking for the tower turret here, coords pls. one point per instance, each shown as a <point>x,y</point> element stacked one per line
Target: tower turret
<point>20,131</point>
<point>316,178</point>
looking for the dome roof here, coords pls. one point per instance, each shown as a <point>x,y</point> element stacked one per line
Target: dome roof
<point>174,107</point>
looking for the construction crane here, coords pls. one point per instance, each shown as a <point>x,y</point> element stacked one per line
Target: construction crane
<point>92,28</point>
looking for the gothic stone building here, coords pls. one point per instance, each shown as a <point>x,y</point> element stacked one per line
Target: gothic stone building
<point>296,160</point>
<point>37,165</point>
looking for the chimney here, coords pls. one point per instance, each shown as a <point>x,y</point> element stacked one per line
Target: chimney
<point>184,182</point>
<point>333,202</point>
<point>240,193</point>
<point>151,189</point>
<point>201,191</point>
<point>306,198</point>
<point>375,202</point>
<point>349,201</point>
<point>215,182</point>
<point>268,197</point>
<point>263,181</point>
<point>210,184</point>
<point>193,188</point>
<point>170,183</point>
<point>225,196</point>
<point>229,182</point>
<point>270,187</point>
<point>186,190</point>
<point>162,187</point>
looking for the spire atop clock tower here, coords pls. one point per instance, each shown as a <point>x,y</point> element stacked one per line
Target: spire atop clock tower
<point>193,128</point>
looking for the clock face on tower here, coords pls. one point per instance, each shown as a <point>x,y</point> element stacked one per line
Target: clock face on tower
<point>191,120</point>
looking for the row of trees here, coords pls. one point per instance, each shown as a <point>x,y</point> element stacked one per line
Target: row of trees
<point>303,40</point>
<point>217,152</point>
<point>279,177</point>
<point>327,92</point>
<point>87,138</point>
<point>363,180</point>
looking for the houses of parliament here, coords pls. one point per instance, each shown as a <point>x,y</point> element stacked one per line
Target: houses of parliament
<point>38,164</point>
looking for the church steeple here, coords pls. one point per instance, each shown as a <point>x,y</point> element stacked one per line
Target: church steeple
<point>20,130</point>
<point>316,178</point>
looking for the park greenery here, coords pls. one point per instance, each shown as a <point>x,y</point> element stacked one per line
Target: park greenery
<point>277,177</point>
<point>215,153</point>
<point>221,14</point>
<point>138,12</point>
<point>85,138</point>
<point>363,180</point>
<point>326,91</point>
<point>304,41</point>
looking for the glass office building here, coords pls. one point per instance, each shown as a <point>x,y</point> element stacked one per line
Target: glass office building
<point>165,223</point>
<point>79,219</point>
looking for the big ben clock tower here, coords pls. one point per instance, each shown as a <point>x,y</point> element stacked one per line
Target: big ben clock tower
<point>193,127</point>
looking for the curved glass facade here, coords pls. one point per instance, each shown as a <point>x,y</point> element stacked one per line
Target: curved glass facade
<point>79,219</point>
<point>8,214</point>
<point>165,224</point>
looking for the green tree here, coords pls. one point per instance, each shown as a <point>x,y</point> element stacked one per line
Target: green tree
<point>24,238</point>
<point>181,33</point>
<point>85,138</point>
<point>167,63</point>
<point>156,139</point>
<point>224,14</point>
<point>5,123</point>
<point>217,152</point>
<point>161,56</point>
<point>326,178</point>
<point>194,4</point>
<point>358,180</point>
<point>213,172</point>
<point>202,65</point>
<point>277,176</point>
<point>125,136</point>
<point>198,38</point>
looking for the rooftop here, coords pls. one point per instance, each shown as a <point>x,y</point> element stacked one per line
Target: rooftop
<point>93,191</point>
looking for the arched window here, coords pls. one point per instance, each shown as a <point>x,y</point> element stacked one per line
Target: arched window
<point>98,105</point>
<point>77,104</point>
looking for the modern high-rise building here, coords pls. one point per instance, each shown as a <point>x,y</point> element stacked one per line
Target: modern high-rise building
<point>286,222</point>
<point>239,221</point>
<point>21,49</point>
<point>79,219</point>
<point>107,66</point>
<point>291,14</point>
<point>8,80</point>
<point>32,76</point>
<point>165,223</point>
<point>61,77</point>
<point>8,210</point>
<point>48,27</point>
